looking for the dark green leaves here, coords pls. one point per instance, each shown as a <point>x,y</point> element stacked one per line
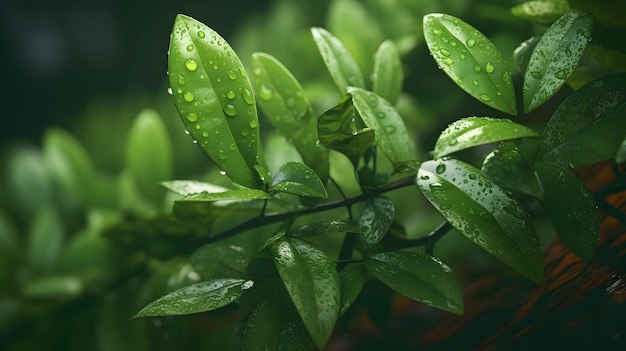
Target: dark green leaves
<point>298,179</point>
<point>375,219</point>
<point>200,297</point>
<point>418,276</point>
<point>555,57</point>
<point>214,99</point>
<point>483,213</point>
<point>312,283</point>
<point>589,125</point>
<point>474,131</point>
<point>341,65</point>
<point>471,60</point>
<point>574,216</point>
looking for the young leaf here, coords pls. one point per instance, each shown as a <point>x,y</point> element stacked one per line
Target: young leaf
<point>588,126</point>
<point>470,60</point>
<point>195,298</point>
<point>352,280</point>
<point>283,101</point>
<point>508,168</point>
<point>313,284</point>
<point>390,132</point>
<point>418,276</point>
<point>575,216</point>
<point>473,131</point>
<point>541,12</point>
<point>555,57</point>
<point>298,179</point>
<point>214,98</point>
<point>320,228</point>
<point>239,194</point>
<point>188,187</point>
<point>388,73</point>
<point>375,218</point>
<point>149,153</point>
<point>338,131</point>
<point>483,213</point>
<point>341,65</point>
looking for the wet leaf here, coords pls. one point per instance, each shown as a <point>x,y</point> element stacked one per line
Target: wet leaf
<point>352,280</point>
<point>418,276</point>
<point>471,60</point>
<point>541,12</point>
<point>199,297</point>
<point>483,213</point>
<point>508,168</point>
<point>342,67</point>
<point>390,132</point>
<point>214,98</point>
<point>188,187</point>
<point>320,228</point>
<point>220,260</point>
<point>239,194</point>
<point>524,51</point>
<point>555,57</point>
<point>473,131</point>
<point>298,179</point>
<point>264,326</point>
<point>312,283</point>
<point>375,219</point>
<point>575,216</point>
<point>388,74</point>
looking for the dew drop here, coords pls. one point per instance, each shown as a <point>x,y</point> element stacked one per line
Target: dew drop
<point>223,173</point>
<point>205,134</point>
<point>444,52</point>
<point>181,80</point>
<point>265,92</point>
<point>169,91</point>
<point>470,42</point>
<point>435,185</point>
<point>230,110</point>
<point>462,57</point>
<point>191,65</point>
<point>254,123</point>
<point>189,47</point>
<point>477,68</point>
<point>489,68</point>
<point>221,155</point>
<point>188,96</point>
<point>424,177</point>
<point>192,117</point>
<point>231,94</point>
<point>475,82</point>
<point>484,97</point>
<point>472,176</point>
<point>201,34</point>
<point>232,75</point>
<point>290,102</point>
<point>242,72</point>
<point>248,97</point>
<point>448,61</point>
<point>198,126</point>
<point>437,31</point>
<point>440,168</point>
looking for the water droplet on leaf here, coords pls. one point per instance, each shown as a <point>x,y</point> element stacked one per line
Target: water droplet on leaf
<point>188,96</point>
<point>489,68</point>
<point>470,42</point>
<point>192,117</point>
<point>230,110</point>
<point>191,65</point>
<point>440,168</point>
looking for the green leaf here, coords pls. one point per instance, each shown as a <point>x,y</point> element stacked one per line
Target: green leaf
<point>298,179</point>
<point>313,284</point>
<point>188,187</point>
<point>473,131</point>
<point>199,297</point>
<point>53,287</point>
<point>283,101</point>
<point>214,98</point>
<point>470,60</point>
<point>620,157</point>
<point>341,65</point>
<point>375,218</point>
<point>418,276</point>
<point>541,12</point>
<point>555,57</point>
<point>511,170</point>
<point>46,236</point>
<point>149,153</point>
<point>220,260</point>
<point>352,280</point>
<point>574,216</point>
<point>588,126</point>
<point>483,213</point>
<point>524,51</point>
<point>388,74</point>
<point>320,228</point>
<point>338,130</point>
<point>239,195</point>
<point>390,132</point>
<point>264,327</point>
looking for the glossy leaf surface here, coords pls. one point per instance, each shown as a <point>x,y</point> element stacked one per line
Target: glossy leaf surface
<point>341,65</point>
<point>200,297</point>
<point>418,276</point>
<point>541,12</point>
<point>239,194</point>
<point>473,131</point>
<point>470,60</point>
<point>375,218</point>
<point>312,283</point>
<point>574,216</point>
<point>352,280</point>
<point>188,187</point>
<point>298,179</point>
<point>483,213</point>
<point>319,228</point>
<point>264,327</point>
<point>283,101</point>
<point>220,260</point>
<point>508,168</point>
<point>214,98</point>
<point>555,57</point>
<point>338,130</point>
<point>388,74</point>
<point>524,51</point>
<point>390,132</point>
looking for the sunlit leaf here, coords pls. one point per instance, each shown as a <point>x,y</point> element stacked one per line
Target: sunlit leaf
<point>313,284</point>
<point>390,132</point>
<point>473,131</point>
<point>200,297</point>
<point>298,179</point>
<point>319,228</point>
<point>483,213</point>
<point>388,74</point>
<point>470,60</point>
<point>341,65</point>
<point>214,98</point>
<point>418,276</point>
<point>375,218</point>
<point>188,187</point>
<point>541,12</point>
<point>555,57</point>
<point>239,194</point>
<point>574,216</point>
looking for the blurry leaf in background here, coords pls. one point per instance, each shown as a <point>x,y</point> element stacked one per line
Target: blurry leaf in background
<point>388,74</point>
<point>46,237</point>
